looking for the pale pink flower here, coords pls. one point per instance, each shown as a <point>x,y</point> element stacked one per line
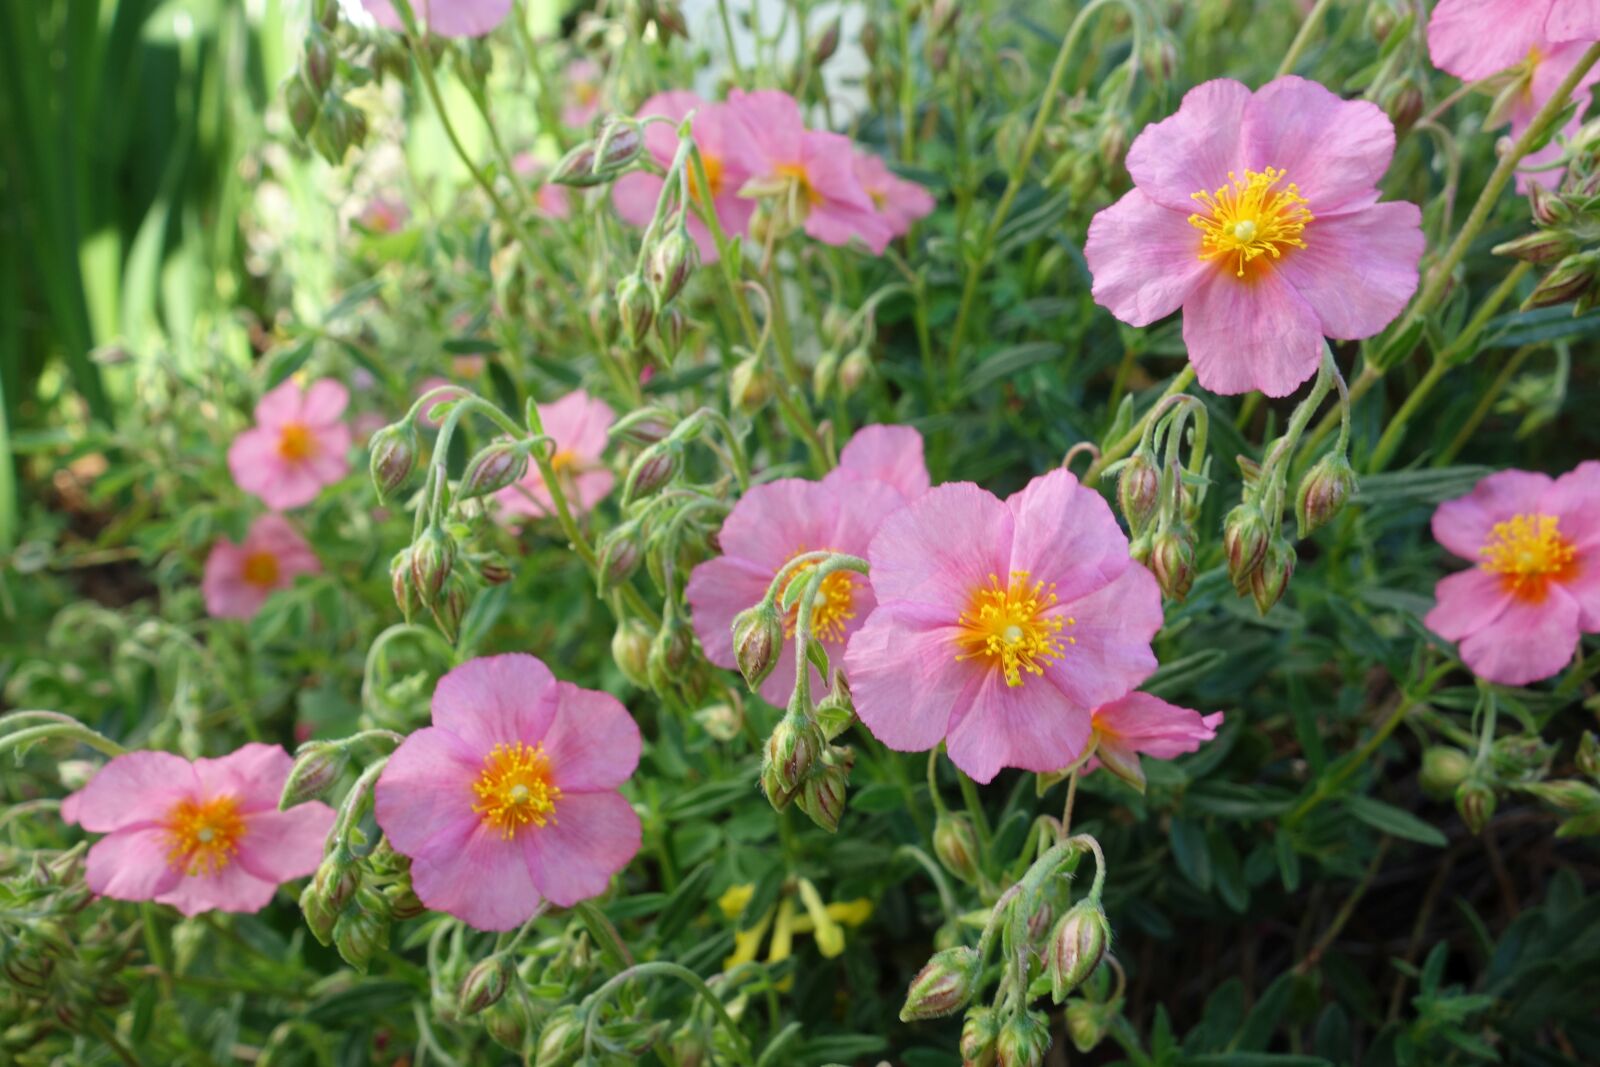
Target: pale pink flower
<point>582,77</point>
<point>447,18</point>
<point>383,215</point>
<point>1517,616</point>
<point>809,174</point>
<point>1139,723</point>
<point>1257,214</point>
<point>725,150</point>
<point>201,836</point>
<point>1001,625</point>
<point>510,797</point>
<point>900,201</point>
<point>879,471</point>
<point>579,424</point>
<point>239,577</point>
<point>297,446</point>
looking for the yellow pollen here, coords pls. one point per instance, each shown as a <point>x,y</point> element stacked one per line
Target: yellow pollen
<point>563,461</point>
<point>834,606</point>
<point>1527,552</point>
<point>1249,217</point>
<point>713,166</point>
<point>261,568</point>
<point>203,835</point>
<point>295,442</point>
<point>1006,625</point>
<point>802,184</point>
<point>514,789</point>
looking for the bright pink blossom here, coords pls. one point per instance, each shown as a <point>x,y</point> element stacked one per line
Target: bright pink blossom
<point>201,836</point>
<point>240,577</point>
<point>582,104</point>
<point>1139,723</point>
<point>1001,625</point>
<point>879,471</point>
<point>579,424</point>
<point>899,201</point>
<point>297,446</point>
<point>725,149</point>
<point>1257,214</point>
<point>1517,616</point>
<point>810,175</point>
<point>510,797</point>
<point>447,18</point>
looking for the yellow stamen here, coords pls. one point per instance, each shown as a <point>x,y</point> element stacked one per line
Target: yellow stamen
<point>713,167</point>
<point>514,789</point>
<point>295,442</point>
<point>1528,552</point>
<point>1248,218</point>
<point>1007,626</point>
<point>203,835</point>
<point>261,568</point>
<point>802,183</point>
<point>833,608</point>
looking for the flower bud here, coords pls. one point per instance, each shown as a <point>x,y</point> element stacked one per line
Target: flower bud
<point>1087,1023</point>
<point>672,327</point>
<point>630,650</point>
<point>561,1038</point>
<point>690,1046</point>
<point>494,568</point>
<point>1139,491</point>
<point>337,878</point>
<point>1548,208</point>
<point>645,426</point>
<point>620,554</point>
<point>507,1022</point>
<point>498,465</point>
<point>636,308</point>
<point>823,795</point>
<point>1244,542</point>
<point>1443,770</point>
<point>757,642</point>
<point>404,586</point>
<point>955,842</point>
<point>1568,794</point>
<point>1268,583</point>
<point>672,261</point>
<point>432,557</point>
<point>793,749</point>
<point>325,13</point>
<point>403,901</point>
<point>651,471</point>
<point>1172,561</point>
<point>317,766</point>
<point>316,63</point>
<point>979,1032</point>
<point>1076,946</point>
<point>485,984</point>
<point>823,374</point>
<point>943,986</point>
<point>1475,801</point>
<point>825,43</point>
<point>722,721</point>
<point>393,455</point>
<point>1571,279</point>
<point>1588,755</point>
<point>855,369</point>
<point>750,386</point>
<point>449,607</point>
<point>318,915</point>
<point>362,929</point>
<point>1405,104</point>
<point>777,794</point>
<point>1540,246</point>
<point>670,655</point>
<point>301,104</point>
<point>620,142</point>
<point>1023,1041</point>
<point>578,168</point>
<point>1323,492</point>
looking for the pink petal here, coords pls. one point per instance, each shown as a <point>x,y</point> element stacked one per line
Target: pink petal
<point>424,794</point>
<point>1358,271</point>
<point>496,700</point>
<point>662,140</point>
<point>1144,258</point>
<point>482,879</point>
<point>280,845</point>
<point>1153,726</point>
<point>135,790</point>
<point>1463,525</point>
<point>594,836</point>
<point>447,18</point>
<point>1066,536</point>
<point>131,865</point>
<point>1573,20</point>
<point>1335,150</point>
<point>590,488</point>
<point>1530,640</point>
<point>889,454</point>
<point>773,125</point>
<point>231,889</point>
<point>253,774</point>
<point>1473,39</point>
<point>941,549</point>
<point>718,590</point>
<point>1466,602</point>
<point>593,742</point>
<point>1109,654</point>
<point>1032,726</point>
<point>830,166</point>
<point>1574,499</point>
<point>838,224</point>
<point>227,594</point>
<point>905,680</point>
<point>634,195</point>
<point>279,405</point>
<point>773,522</point>
<point>276,534</point>
<point>324,402</point>
<point>1251,333</point>
<point>1194,148</point>
<point>579,423</point>
<point>1583,587</point>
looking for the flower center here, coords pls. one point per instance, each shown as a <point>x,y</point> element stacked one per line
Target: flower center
<point>833,608</point>
<point>1527,552</point>
<point>514,788</point>
<point>261,568</point>
<point>1007,627</point>
<point>563,461</point>
<point>800,183</point>
<point>203,835</point>
<point>713,166</point>
<point>1250,217</point>
<point>295,441</point>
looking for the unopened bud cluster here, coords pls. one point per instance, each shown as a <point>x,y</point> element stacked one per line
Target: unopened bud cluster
<point>1566,229</point>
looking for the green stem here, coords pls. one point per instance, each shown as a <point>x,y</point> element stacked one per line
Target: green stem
<point>741,1046</point>
<point>1308,28</point>
<point>75,731</point>
<point>1486,403</point>
<point>1114,451</point>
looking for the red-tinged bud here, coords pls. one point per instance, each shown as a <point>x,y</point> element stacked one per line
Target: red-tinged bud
<point>750,386</point>
<point>620,142</point>
<point>403,901</point>
<point>655,467</point>
<point>317,767</point>
<point>1571,279</point>
<point>646,426</point>
<point>823,795</point>
<point>1076,947</point>
<point>1404,105</point>
<point>853,371</point>
<point>825,43</point>
<point>955,842</point>
<point>670,655</point>
<point>337,878</point>
<point>433,555</point>
<point>870,39</point>
<point>1087,1022</point>
<point>636,308</point>
<point>494,568</point>
<point>498,465</point>
<point>1540,246</point>
<point>777,794</point>
<point>325,13</point>
<point>1139,491</point>
<point>672,328</point>
<point>577,168</point>
<point>793,749</point>
<point>980,1033</point>
<point>1271,579</point>
<point>561,1038</point>
<point>1245,538</point>
<point>620,554</point>
<point>630,650</point>
<point>362,929</point>
<point>449,608</point>
<point>1548,208</point>
<point>672,261</point>
<point>485,984</point>
<point>1024,1039</point>
<point>404,586</point>
<point>1443,770</point>
<point>1172,561</point>
<point>943,986</point>
<point>339,128</point>
<point>757,641</point>
<point>1323,492</point>
<point>301,104</point>
<point>393,455</point>
<point>1475,801</point>
<point>316,63</point>
<point>1113,145</point>
<point>1159,58</point>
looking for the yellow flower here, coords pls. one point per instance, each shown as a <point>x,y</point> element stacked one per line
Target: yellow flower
<point>825,922</point>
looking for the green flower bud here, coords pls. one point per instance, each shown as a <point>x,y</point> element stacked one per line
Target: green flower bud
<point>1087,1023</point>
<point>722,721</point>
<point>1475,801</point>
<point>1024,1039</point>
<point>362,929</point>
<point>449,607</point>
<point>1172,561</point>
<point>955,842</point>
<point>485,984</point>
<point>508,1022</point>
<point>636,308</point>
<point>1540,246</point>
<point>793,749</point>
<point>854,370</point>
<point>403,900</point>
<point>1443,769</point>
<point>1323,492</point>
<point>1567,795</point>
<point>672,327</point>
<point>432,557</point>
<point>1076,947</point>
<point>980,1031</point>
<point>621,552</point>
<point>672,261</point>
<point>1139,491</point>
<point>578,168</point>
<point>404,586</point>
<point>645,426</point>
<point>1588,755</point>
<point>317,767</point>
<point>943,986</point>
<point>301,104</point>
<point>757,642</point>
<point>561,1038</point>
<point>1271,579</point>
<point>750,386</point>
<point>651,471</point>
<point>498,465</point>
<point>620,142</point>
<point>823,795</point>
<point>670,655</point>
<point>1571,279</point>
<point>1245,537</point>
<point>316,63</point>
<point>630,650</point>
<point>392,453</point>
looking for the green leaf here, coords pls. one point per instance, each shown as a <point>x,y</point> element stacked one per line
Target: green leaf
<point>1395,821</point>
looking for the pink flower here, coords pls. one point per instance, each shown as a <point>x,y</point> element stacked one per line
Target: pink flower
<point>810,174</point>
<point>199,836</point>
<point>880,470</point>
<point>1257,214</point>
<point>240,577</point>
<point>1001,625</point>
<point>900,202</point>
<point>510,797</point>
<point>1139,723</point>
<point>447,18</point>
<point>725,150</point>
<point>578,423</point>
<point>297,445</point>
<point>550,200</point>
<point>1518,614</point>
<point>583,93</point>
<point>383,214</point>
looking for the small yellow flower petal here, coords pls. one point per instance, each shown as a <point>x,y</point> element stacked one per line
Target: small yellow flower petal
<point>829,934</point>
<point>736,899</point>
